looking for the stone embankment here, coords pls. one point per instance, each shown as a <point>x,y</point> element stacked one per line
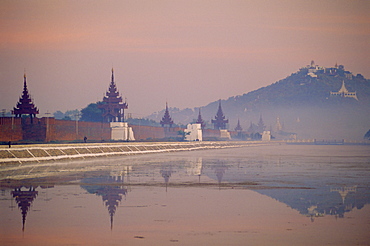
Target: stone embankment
<point>54,152</point>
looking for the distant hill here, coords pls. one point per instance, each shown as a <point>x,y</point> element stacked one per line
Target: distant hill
<point>303,102</point>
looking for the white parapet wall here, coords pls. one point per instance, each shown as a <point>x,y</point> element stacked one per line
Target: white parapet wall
<point>121,131</point>
<point>193,132</point>
<point>225,134</point>
<point>266,136</point>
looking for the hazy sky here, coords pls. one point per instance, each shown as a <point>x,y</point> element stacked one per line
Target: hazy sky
<point>188,53</point>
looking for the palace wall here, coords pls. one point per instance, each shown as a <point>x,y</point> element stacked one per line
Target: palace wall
<point>67,130</point>
<point>148,132</point>
<point>50,129</point>
<point>211,134</point>
<point>10,129</point>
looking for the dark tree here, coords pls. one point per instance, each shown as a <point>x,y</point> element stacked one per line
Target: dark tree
<point>367,135</point>
<point>58,115</point>
<point>92,113</point>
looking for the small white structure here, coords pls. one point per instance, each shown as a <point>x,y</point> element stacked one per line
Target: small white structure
<point>266,136</point>
<point>343,92</point>
<point>193,132</point>
<point>121,131</point>
<point>225,134</point>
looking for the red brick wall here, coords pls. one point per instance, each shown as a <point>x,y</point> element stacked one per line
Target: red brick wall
<point>172,132</point>
<point>51,129</point>
<point>69,130</point>
<point>154,132</point>
<point>9,131</point>
<point>35,131</point>
<point>211,134</point>
<point>147,132</point>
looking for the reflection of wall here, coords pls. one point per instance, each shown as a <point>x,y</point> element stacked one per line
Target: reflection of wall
<point>195,167</point>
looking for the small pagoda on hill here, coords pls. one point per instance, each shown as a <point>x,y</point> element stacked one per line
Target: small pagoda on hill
<point>343,92</point>
<point>166,119</point>
<point>220,122</point>
<point>200,121</point>
<point>261,125</point>
<point>25,104</point>
<point>238,127</point>
<point>112,105</point>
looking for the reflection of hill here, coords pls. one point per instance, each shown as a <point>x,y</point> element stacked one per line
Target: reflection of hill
<point>320,201</point>
<point>312,199</point>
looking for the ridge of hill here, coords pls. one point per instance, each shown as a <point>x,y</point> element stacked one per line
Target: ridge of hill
<point>314,102</point>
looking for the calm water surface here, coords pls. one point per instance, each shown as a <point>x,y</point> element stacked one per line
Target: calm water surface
<point>262,195</point>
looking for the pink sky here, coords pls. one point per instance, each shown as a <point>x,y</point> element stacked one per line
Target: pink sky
<point>188,53</point>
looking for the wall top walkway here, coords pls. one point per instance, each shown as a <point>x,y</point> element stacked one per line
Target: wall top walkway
<point>53,152</point>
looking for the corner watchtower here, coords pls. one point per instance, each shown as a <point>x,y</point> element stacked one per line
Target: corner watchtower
<point>113,106</point>
<point>166,119</point>
<point>220,122</point>
<point>25,104</point>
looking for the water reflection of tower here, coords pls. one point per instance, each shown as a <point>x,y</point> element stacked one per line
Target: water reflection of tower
<point>166,172</point>
<point>111,192</point>
<point>24,199</point>
<point>343,192</point>
<point>112,196</point>
<point>220,170</point>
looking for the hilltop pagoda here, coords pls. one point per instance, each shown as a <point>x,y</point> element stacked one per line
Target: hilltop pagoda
<point>25,104</point>
<point>343,92</point>
<point>219,122</point>
<point>166,119</point>
<point>200,121</point>
<point>112,105</point>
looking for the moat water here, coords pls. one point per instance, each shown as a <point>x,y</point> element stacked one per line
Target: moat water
<point>260,195</point>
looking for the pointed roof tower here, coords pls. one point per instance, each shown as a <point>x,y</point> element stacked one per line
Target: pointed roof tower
<point>166,119</point>
<point>238,128</point>
<point>200,120</point>
<point>343,92</point>
<point>25,104</point>
<point>219,121</point>
<point>113,106</point>
<point>261,125</point>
